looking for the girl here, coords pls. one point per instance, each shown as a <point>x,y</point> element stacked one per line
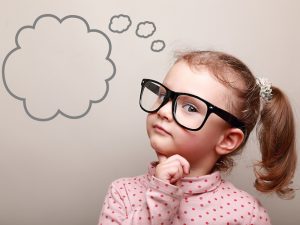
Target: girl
<point>198,119</point>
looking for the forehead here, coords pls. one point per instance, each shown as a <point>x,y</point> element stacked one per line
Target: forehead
<point>183,78</point>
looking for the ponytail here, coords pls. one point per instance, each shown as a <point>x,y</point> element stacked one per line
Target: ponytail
<point>276,134</point>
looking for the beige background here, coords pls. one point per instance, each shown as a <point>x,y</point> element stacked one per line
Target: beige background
<point>57,172</point>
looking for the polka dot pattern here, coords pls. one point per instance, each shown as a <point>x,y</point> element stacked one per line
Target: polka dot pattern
<point>199,200</point>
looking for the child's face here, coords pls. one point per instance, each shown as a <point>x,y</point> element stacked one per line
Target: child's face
<point>168,138</point>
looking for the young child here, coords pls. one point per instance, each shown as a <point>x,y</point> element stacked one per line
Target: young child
<point>198,119</point>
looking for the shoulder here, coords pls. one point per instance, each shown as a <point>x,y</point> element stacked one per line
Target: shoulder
<point>230,191</point>
<point>128,191</point>
<point>242,201</point>
<point>125,183</point>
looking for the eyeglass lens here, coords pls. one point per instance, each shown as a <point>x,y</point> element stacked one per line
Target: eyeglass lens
<point>188,111</point>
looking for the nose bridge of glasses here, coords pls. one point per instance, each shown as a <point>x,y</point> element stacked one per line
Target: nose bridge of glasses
<point>170,96</point>
<point>168,100</point>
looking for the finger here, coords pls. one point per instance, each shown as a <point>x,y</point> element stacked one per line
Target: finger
<point>170,172</point>
<point>177,175</point>
<point>172,167</point>
<point>184,163</point>
<point>161,158</point>
<point>178,183</point>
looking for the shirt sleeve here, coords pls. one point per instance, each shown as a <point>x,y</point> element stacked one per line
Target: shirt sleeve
<point>160,205</point>
<point>259,215</point>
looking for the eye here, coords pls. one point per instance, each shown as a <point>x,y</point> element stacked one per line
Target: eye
<point>190,108</point>
<point>161,95</point>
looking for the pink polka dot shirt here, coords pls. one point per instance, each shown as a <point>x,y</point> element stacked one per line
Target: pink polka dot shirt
<point>200,200</point>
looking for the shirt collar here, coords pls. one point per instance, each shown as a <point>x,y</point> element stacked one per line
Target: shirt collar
<point>194,185</point>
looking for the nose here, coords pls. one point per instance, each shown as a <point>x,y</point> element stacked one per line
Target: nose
<point>165,112</point>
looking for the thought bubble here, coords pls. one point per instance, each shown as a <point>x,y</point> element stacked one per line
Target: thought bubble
<point>145,29</point>
<point>158,45</point>
<point>60,66</point>
<point>119,23</point>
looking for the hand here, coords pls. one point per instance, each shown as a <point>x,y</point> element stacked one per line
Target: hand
<point>171,169</point>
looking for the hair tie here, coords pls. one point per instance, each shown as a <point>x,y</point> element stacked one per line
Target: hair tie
<point>265,88</point>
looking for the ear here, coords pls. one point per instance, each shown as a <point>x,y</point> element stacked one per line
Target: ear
<point>229,141</point>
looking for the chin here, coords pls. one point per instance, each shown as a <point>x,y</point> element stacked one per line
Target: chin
<point>162,148</point>
<point>155,145</point>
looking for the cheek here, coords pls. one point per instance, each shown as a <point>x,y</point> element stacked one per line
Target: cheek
<point>195,147</point>
<point>189,141</point>
<point>208,136</point>
<point>199,143</point>
<point>203,140</point>
<point>149,122</point>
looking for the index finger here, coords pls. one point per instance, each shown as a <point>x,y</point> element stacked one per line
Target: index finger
<point>161,158</point>
<point>184,163</point>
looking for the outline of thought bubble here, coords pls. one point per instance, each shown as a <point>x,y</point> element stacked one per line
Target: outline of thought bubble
<point>154,43</point>
<point>18,47</point>
<point>119,17</point>
<point>145,23</point>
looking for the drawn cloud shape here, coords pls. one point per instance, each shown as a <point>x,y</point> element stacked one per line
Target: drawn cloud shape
<point>119,23</point>
<point>158,45</point>
<point>60,66</point>
<point>145,29</point>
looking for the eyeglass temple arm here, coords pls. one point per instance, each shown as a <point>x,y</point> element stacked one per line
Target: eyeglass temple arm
<point>230,118</point>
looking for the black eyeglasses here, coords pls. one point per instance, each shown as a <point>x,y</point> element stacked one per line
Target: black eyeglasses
<point>189,111</point>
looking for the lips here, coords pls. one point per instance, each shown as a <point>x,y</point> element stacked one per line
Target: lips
<point>160,129</point>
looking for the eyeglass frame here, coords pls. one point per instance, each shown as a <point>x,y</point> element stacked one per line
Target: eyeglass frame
<point>211,108</point>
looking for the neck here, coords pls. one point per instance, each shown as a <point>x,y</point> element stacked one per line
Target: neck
<point>197,172</point>
<point>201,168</point>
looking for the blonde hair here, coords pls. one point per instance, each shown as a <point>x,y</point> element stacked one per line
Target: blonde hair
<point>274,119</point>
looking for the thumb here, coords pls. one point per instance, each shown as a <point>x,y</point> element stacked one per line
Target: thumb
<point>178,183</point>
